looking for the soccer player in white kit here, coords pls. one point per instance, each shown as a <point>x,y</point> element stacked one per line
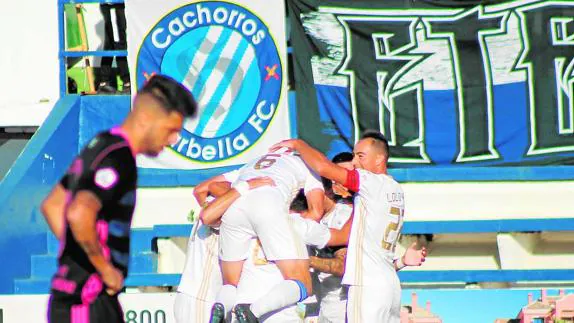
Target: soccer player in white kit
<point>260,275</point>
<point>201,276</point>
<point>374,288</point>
<point>264,213</point>
<point>329,264</point>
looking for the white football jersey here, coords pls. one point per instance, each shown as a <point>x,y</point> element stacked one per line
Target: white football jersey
<point>287,170</point>
<point>201,276</point>
<point>377,223</point>
<point>338,216</point>
<point>330,285</point>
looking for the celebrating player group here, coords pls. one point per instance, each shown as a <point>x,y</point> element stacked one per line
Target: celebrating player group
<point>292,231</point>
<point>289,235</point>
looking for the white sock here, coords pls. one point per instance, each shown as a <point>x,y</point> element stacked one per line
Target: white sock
<point>227,296</point>
<point>283,294</point>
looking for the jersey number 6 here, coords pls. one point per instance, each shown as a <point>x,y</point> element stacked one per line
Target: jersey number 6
<point>266,161</point>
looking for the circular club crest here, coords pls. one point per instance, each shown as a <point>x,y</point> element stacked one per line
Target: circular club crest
<point>225,55</point>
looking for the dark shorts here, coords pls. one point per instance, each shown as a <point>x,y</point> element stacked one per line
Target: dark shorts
<point>104,309</point>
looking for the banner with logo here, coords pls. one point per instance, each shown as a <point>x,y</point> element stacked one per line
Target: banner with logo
<point>480,85</point>
<point>231,55</point>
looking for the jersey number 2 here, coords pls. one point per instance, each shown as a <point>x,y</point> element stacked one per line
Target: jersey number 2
<point>393,230</point>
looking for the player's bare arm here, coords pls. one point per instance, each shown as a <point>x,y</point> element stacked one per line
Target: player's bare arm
<point>412,257</point>
<point>201,191</point>
<point>53,208</point>
<point>81,216</point>
<point>318,162</point>
<point>217,189</point>
<point>335,266</point>
<point>213,212</point>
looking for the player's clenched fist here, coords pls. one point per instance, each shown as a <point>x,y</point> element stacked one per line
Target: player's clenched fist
<point>414,256</point>
<point>113,279</point>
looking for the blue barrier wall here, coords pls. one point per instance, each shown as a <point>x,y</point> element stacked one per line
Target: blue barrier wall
<point>45,158</point>
<point>99,113</point>
<point>70,125</point>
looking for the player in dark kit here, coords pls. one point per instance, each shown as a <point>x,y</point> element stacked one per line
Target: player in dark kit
<point>90,210</point>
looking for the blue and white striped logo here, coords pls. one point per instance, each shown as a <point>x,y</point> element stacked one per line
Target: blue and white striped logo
<point>228,59</point>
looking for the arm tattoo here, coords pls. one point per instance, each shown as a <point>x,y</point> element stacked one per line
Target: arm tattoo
<point>335,266</point>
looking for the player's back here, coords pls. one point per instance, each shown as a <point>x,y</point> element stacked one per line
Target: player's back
<point>263,212</point>
<point>287,170</point>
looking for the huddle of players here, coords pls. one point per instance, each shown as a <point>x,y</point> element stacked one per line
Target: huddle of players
<point>251,222</point>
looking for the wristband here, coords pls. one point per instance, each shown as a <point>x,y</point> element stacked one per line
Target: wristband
<point>241,187</point>
<point>399,263</point>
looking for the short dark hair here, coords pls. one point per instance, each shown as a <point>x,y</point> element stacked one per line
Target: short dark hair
<point>339,158</point>
<point>299,203</point>
<point>379,139</point>
<point>172,95</point>
<point>342,157</point>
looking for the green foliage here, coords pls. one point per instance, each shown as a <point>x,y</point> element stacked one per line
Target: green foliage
<point>191,216</point>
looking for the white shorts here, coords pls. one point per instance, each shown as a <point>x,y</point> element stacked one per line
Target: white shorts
<point>261,213</point>
<point>332,311</point>
<point>373,304</point>
<point>188,309</point>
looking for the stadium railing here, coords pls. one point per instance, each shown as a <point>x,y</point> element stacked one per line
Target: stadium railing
<point>63,53</point>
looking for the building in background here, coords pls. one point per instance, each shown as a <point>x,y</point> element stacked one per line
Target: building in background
<point>547,309</point>
<point>416,314</point>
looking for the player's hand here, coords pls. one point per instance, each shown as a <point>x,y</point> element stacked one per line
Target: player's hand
<point>414,256</point>
<point>113,279</point>
<point>340,190</point>
<point>260,181</point>
<point>289,143</point>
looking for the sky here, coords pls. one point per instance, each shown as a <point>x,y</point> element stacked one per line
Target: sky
<point>475,306</point>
